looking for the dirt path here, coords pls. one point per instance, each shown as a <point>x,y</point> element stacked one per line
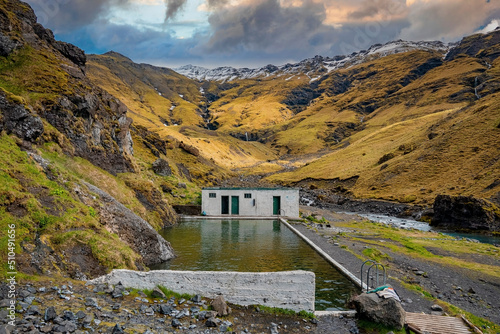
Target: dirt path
<point>470,290</point>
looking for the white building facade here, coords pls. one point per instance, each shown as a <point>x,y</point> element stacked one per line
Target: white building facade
<point>250,202</point>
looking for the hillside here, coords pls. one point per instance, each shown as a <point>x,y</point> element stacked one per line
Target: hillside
<point>433,127</point>
<point>77,177</point>
<point>173,106</point>
<point>402,121</point>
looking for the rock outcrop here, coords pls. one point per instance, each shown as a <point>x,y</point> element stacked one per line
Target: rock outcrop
<point>162,168</point>
<point>132,229</point>
<point>465,213</point>
<point>15,119</point>
<point>478,45</point>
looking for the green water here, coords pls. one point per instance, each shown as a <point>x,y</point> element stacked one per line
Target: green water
<point>254,246</point>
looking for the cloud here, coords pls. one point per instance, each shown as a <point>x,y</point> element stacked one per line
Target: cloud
<point>63,15</point>
<point>173,7</point>
<point>253,33</point>
<point>265,26</point>
<point>447,19</point>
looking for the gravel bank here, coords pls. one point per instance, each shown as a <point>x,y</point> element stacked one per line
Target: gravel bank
<point>470,290</point>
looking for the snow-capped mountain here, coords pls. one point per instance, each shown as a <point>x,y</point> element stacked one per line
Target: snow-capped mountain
<point>314,68</point>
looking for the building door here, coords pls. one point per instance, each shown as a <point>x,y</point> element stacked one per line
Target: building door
<point>276,205</point>
<point>225,205</point>
<point>235,205</point>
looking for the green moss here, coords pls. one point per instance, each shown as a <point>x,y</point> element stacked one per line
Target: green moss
<point>375,254</point>
<point>107,248</point>
<point>169,293</point>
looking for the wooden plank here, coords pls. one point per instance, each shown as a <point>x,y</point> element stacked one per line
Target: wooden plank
<point>471,325</point>
<point>435,324</point>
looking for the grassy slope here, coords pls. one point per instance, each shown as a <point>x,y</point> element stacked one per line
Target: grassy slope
<point>45,206</point>
<point>135,86</point>
<point>150,93</point>
<point>461,159</point>
<point>254,104</point>
<point>49,210</point>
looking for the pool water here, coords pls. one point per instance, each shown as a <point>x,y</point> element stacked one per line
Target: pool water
<point>254,246</point>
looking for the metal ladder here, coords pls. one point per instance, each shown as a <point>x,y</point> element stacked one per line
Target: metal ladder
<point>380,272</point>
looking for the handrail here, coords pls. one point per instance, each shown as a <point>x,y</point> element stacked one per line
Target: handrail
<point>377,274</point>
<point>367,286</point>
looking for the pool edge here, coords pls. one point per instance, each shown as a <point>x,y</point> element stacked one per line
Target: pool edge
<point>327,257</point>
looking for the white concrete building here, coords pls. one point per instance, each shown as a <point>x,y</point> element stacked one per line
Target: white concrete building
<point>250,202</point>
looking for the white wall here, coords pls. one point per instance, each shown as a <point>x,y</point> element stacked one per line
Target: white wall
<point>292,290</point>
<point>260,205</point>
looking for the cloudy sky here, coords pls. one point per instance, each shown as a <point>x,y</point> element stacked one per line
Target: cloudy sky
<point>253,33</point>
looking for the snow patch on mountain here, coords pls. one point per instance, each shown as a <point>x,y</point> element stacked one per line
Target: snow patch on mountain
<point>314,68</point>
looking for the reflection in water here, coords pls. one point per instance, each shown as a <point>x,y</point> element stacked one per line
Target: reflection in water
<point>253,246</point>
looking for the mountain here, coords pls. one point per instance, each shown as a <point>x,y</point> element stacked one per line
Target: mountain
<point>313,68</point>
<point>393,122</point>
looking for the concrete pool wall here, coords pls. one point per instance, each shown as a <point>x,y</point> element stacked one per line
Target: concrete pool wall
<point>292,290</point>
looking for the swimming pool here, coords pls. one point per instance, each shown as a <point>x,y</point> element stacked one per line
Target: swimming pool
<point>254,246</point>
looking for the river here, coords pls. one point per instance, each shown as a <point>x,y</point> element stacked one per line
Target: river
<point>422,226</point>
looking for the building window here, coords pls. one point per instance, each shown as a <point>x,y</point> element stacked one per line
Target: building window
<point>248,195</point>
<point>212,195</point>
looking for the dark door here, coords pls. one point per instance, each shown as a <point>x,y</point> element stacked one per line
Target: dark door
<point>235,205</point>
<point>276,205</point>
<point>225,205</point>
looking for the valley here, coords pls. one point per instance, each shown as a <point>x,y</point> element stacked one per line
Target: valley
<point>97,149</point>
<point>405,116</point>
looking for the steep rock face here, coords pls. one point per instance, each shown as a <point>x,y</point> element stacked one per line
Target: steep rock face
<point>55,85</point>
<point>19,121</point>
<point>133,230</point>
<point>97,126</point>
<point>465,212</point>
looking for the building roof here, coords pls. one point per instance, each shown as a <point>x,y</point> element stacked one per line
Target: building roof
<point>243,188</point>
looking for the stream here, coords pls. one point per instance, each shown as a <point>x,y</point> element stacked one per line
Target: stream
<point>422,226</point>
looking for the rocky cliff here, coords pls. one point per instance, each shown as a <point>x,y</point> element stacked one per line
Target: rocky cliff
<point>49,76</point>
<point>70,182</point>
<point>465,213</point>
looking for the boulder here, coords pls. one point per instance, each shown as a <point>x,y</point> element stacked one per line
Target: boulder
<point>212,322</point>
<point>465,213</point>
<point>219,305</point>
<point>162,168</point>
<point>388,312</point>
<point>118,290</point>
<point>157,293</point>
<point>50,314</point>
<point>73,53</point>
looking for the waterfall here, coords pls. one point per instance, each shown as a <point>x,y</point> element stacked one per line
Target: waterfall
<point>246,135</point>
<point>475,89</point>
